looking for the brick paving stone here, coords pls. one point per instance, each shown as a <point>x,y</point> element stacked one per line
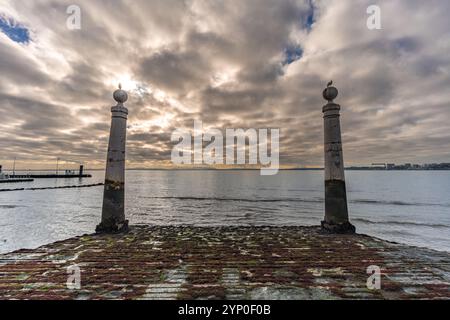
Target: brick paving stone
<point>182,262</point>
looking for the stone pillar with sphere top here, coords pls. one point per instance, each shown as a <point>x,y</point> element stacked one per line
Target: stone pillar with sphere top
<point>113,213</point>
<point>336,210</point>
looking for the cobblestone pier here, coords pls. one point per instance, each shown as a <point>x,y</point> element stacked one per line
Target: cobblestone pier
<point>225,263</point>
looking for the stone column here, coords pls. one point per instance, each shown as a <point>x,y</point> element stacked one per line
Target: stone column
<point>336,211</point>
<point>113,214</point>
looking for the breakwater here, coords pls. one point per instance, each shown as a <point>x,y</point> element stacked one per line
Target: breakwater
<point>49,176</point>
<point>15,180</point>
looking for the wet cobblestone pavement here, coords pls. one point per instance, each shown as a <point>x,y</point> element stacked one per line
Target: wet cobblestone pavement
<point>225,263</point>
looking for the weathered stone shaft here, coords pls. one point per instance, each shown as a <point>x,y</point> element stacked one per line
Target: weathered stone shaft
<point>113,213</point>
<point>336,210</point>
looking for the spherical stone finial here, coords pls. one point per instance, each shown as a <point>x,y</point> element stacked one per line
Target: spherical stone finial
<point>330,93</point>
<point>121,96</point>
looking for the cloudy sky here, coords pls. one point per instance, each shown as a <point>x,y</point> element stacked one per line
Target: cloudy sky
<point>232,64</point>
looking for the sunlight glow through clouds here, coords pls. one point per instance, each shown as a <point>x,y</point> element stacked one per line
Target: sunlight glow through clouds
<point>163,121</point>
<point>226,76</point>
<point>126,81</point>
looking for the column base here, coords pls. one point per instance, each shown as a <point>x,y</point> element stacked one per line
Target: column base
<point>338,228</point>
<point>112,227</point>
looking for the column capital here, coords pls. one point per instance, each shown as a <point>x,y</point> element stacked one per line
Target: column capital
<point>119,112</point>
<point>331,106</point>
<point>119,108</point>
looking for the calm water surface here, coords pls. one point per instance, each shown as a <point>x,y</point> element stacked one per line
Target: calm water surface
<point>411,207</point>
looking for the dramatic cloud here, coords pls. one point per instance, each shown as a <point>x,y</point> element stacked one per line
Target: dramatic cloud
<point>236,64</point>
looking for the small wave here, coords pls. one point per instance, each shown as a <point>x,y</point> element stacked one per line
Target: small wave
<point>237,199</point>
<point>401,223</point>
<point>298,200</point>
<point>398,203</point>
<point>6,206</point>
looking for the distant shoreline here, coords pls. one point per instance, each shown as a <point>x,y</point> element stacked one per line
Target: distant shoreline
<point>294,169</point>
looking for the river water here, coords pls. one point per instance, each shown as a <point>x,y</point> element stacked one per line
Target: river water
<point>411,207</point>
